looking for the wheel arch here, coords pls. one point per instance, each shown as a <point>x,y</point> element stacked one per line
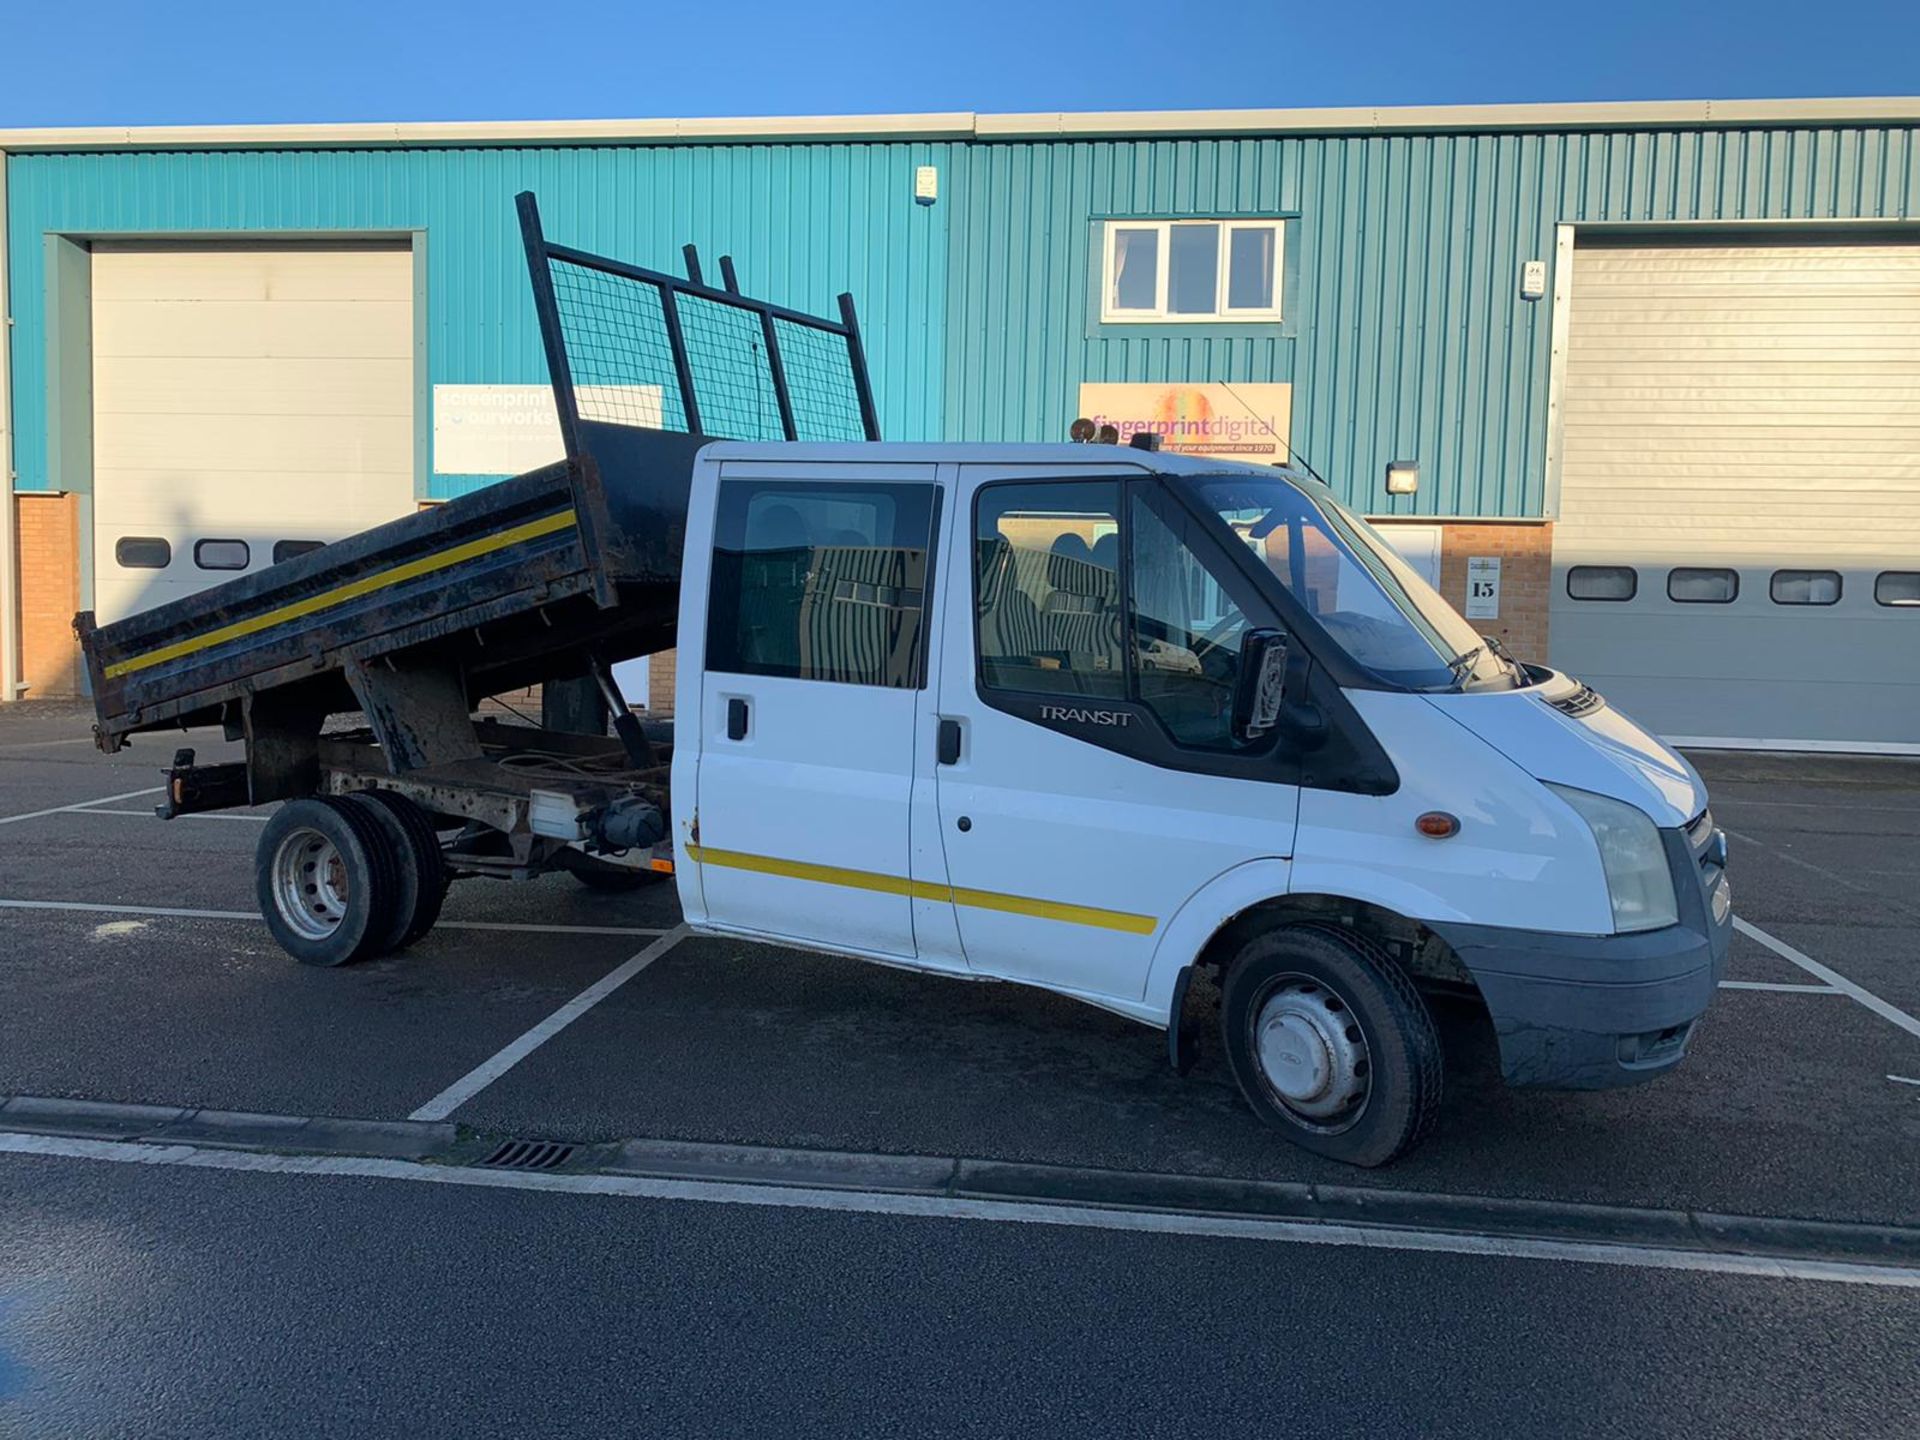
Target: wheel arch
<point>1219,918</point>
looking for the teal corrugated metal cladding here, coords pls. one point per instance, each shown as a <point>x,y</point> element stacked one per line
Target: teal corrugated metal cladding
<point>803,223</point>
<point>1404,335</point>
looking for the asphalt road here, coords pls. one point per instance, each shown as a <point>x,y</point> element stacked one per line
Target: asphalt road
<point>151,1299</point>
<point>168,1303</point>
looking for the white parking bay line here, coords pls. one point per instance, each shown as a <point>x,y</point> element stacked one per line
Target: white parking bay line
<point>79,805</point>
<point>498,1064</point>
<point>990,1211</point>
<point>1779,987</point>
<point>1890,1013</point>
<point>175,912</point>
<point>149,815</point>
<point>165,912</point>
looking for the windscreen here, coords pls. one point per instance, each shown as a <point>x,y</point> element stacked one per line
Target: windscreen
<point>1368,599</point>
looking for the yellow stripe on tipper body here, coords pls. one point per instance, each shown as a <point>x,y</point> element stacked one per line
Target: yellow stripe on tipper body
<point>925,890</point>
<point>352,590</point>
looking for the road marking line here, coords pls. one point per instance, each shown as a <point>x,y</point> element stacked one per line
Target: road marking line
<point>175,912</point>
<point>498,1064</point>
<point>79,805</point>
<point>530,929</point>
<point>872,1202</point>
<point>149,815</point>
<point>1902,1080</point>
<point>1891,1013</point>
<point>1780,987</point>
<point>43,744</point>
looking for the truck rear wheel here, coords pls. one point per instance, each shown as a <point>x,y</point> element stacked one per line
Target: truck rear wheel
<point>1331,1043</point>
<point>328,882</point>
<point>416,842</point>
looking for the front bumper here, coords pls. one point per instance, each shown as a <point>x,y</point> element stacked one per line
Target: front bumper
<point>1588,1012</point>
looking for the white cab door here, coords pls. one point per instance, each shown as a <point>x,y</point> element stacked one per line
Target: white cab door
<point>1089,651</point>
<point>814,662</point>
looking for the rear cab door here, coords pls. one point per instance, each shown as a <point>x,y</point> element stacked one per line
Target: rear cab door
<point>803,648</point>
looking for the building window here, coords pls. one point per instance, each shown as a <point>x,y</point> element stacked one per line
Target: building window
<point>1897,587</point>
<point>1603,582</point>
<point>1191,270</point>
<point>821,582</point>
<point>221,554</point>
<point>142,552</point>
<point>1693,585</point>
<point>288,549</point>
<point>1047,588</point>
<point>1804,587</point>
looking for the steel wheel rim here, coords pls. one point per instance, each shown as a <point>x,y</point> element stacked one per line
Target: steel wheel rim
<point>1311,1052</point>
<point>310,886</point>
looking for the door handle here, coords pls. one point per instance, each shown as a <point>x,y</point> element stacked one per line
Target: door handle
<point>949,745</point>
<point>736,718</point>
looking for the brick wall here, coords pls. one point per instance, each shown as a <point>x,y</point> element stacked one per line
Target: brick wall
<point>659,684</point>
<point>1526,568</point>
<point>49,537</point>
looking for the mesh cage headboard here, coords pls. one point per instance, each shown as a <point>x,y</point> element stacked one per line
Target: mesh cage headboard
<point>647,350</point>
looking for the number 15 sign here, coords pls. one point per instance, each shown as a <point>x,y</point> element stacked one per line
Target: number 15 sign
<point>1483,587</point>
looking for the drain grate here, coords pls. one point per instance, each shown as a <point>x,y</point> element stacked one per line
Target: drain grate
<point>529,1155</point>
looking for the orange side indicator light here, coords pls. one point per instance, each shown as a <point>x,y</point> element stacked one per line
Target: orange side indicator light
<point>1438,825</point>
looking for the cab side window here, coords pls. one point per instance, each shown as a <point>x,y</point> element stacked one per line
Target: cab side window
<point>1105,591</point>
<point>1186,632</point>
<point>1047,588</point>
<point>821,582</point>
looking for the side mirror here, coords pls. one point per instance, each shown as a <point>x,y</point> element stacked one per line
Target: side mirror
<point>1261,687</point>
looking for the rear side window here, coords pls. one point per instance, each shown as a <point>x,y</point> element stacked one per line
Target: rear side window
<point>1897,587</point>
<point>287,549</point>
<point>221,554</point>
<point>142,552</point>
<point>1047,588</point>
<point>822,582</point>
<point>1696,585</point>
<point>1603,582</point>
<point>1804,587</point>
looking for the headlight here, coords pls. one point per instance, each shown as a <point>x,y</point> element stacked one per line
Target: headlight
<point>1638,881</point>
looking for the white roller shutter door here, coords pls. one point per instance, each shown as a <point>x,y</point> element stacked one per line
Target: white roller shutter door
<point>244,396</point>
<point>1749,407</point>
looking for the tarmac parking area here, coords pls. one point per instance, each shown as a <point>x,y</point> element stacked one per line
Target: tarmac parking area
<point>132,970</point>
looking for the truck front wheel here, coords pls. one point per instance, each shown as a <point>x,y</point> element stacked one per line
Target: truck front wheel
<point>1331,1043</point>
<point>328,881</point>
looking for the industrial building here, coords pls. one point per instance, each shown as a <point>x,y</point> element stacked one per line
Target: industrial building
<point>1637,385</point>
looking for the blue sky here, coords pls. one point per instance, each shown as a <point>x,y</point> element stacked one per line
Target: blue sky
<point>218,61</point>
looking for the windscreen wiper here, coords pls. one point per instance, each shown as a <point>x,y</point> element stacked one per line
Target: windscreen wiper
<point>1462,664</point>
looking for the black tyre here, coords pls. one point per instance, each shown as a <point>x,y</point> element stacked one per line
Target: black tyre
<point>328,879</point>
<point>429,861</point>
<point>1331,1043</point>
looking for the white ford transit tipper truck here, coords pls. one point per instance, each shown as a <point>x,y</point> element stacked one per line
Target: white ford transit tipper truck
<point>1083,717</point>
